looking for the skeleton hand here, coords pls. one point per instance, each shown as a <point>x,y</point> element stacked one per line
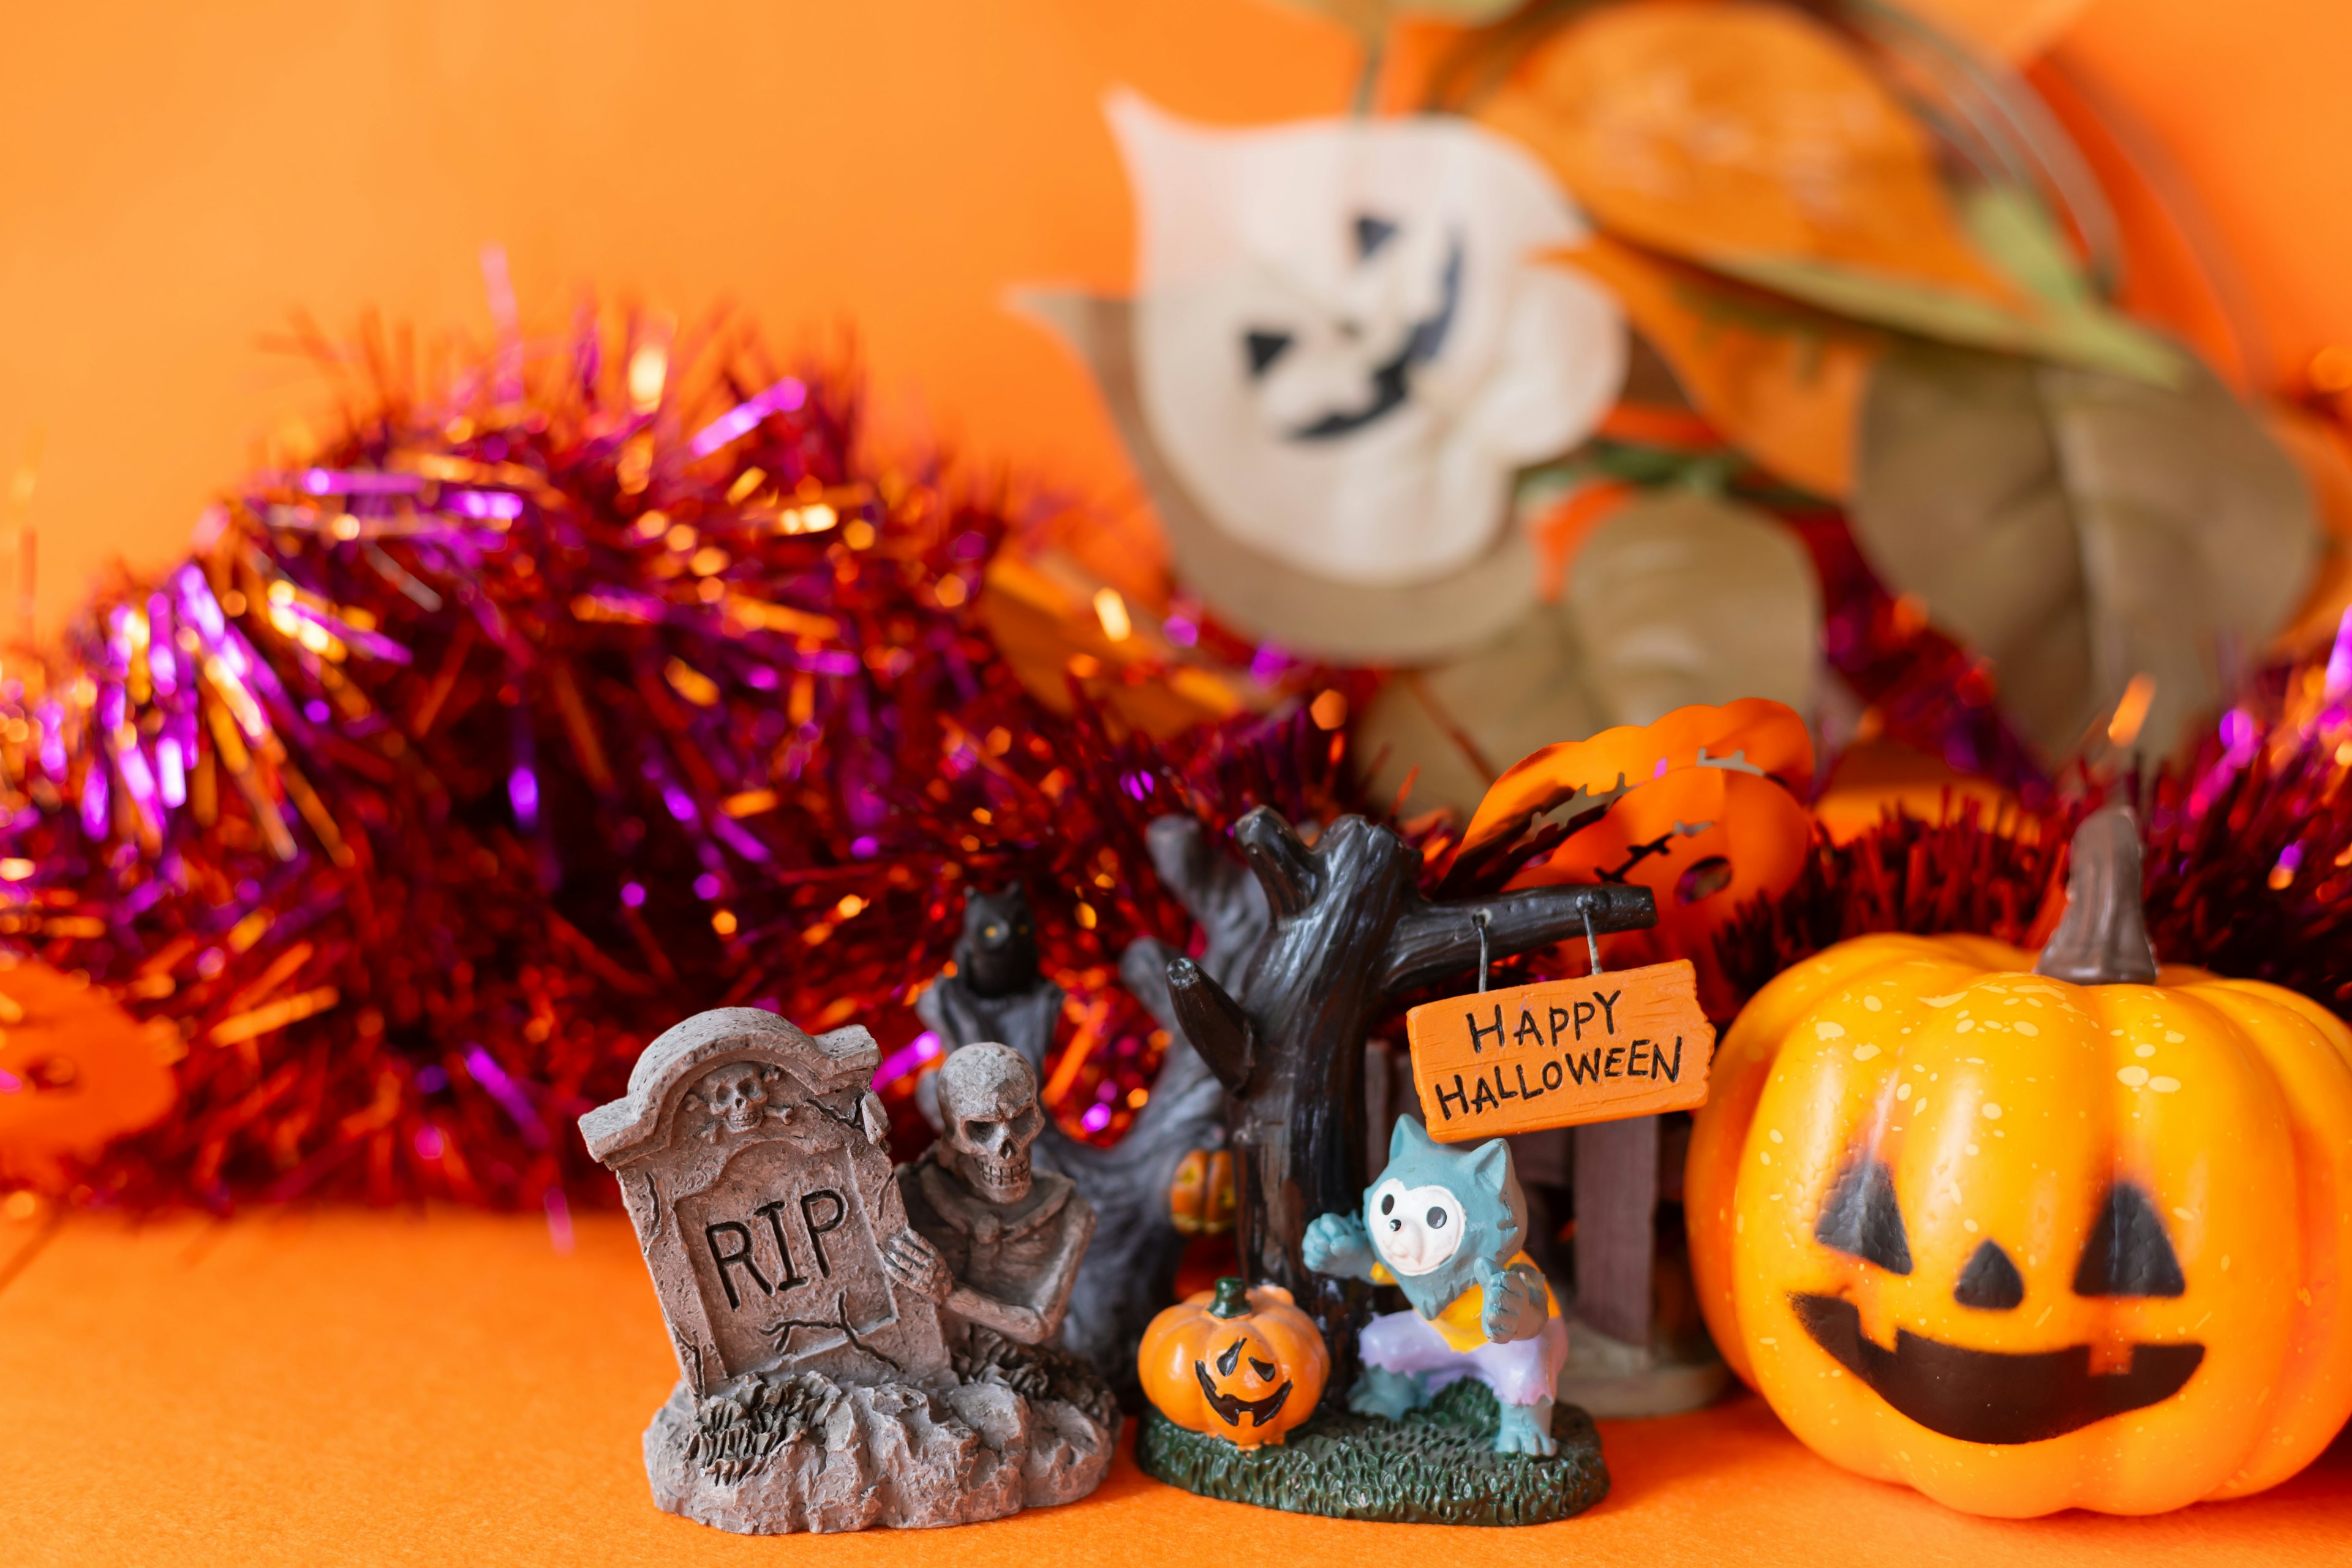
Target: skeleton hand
<point>1337,1245</point>
<point>1516,1308</point>
<point>916,1264</point>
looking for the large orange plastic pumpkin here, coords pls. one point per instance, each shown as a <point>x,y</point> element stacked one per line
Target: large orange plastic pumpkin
<point>1243,1365</point>
<point>2027,1241</point>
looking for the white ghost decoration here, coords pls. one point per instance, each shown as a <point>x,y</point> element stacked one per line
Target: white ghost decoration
<point>1343,344</point>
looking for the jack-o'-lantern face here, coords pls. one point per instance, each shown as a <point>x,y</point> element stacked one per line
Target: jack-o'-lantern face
<point>2001,1396</point>
<point>2026,1238</point>
<point>1243,1364</point>
<point>2026,1244</point>
<point>1245,1388</point>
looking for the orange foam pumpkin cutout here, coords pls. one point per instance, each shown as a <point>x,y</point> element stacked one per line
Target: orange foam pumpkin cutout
<point>1243,1365</point>
<point>1783,381</point>
<point>1703,815</point>
<point>2027,1240</point>
<point>75,1071</point>
<point>1732,133</point>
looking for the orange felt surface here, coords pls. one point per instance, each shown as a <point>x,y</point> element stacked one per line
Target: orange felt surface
<point>347,1387</point>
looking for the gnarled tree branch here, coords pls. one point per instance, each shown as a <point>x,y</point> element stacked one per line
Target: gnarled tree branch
<point>1431,941</point>
<point>1215,1022</point>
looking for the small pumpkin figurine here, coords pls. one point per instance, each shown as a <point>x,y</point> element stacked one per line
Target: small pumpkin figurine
<point>1243,1364</point>
<point>2031,1235</point>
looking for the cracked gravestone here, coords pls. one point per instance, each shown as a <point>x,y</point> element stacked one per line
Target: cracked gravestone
<point>816,1392</point>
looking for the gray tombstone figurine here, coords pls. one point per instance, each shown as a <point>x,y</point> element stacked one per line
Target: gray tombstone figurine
<point>817,1391</point>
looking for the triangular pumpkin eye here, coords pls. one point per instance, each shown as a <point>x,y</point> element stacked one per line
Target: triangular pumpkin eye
<point>2128,1253</point>
<point>1862,1219</point>
<point>1227,1362</point>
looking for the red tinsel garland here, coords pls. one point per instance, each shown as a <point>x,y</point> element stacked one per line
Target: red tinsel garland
<point>520,724</point>
<point>2249,855</point>
<point>621,682</point>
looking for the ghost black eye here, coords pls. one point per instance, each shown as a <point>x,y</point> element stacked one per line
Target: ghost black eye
<point>1264,348</point>
<point>1388,1203</point>
<point>1437,1219</point>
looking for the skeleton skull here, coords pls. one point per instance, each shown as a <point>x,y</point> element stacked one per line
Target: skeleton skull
<point>736,1095</point>
<point>988,1105</point>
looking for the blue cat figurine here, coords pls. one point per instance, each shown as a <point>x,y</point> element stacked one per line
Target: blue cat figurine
<point>1446,1226</point>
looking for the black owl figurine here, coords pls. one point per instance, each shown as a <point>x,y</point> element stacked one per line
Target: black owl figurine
<point>997,957</point>
<point>996,992</point>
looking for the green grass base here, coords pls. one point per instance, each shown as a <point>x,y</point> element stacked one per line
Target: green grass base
<point>1437,1466</point>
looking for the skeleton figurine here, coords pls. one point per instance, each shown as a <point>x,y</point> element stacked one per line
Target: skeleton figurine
<point>994,1243</point>
<point>997,993</point>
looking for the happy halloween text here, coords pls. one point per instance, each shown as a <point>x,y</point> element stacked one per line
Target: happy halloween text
<point>1640,1059</point>
<point>1561,1052</point>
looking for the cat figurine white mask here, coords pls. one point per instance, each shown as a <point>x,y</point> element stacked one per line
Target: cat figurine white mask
<point>1344,346</point>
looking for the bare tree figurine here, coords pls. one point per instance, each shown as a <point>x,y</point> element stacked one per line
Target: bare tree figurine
<point>1351,935</point>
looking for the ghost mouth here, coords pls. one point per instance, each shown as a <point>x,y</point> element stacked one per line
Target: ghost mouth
<point>1391,383</point>
<point>1231,1407</point>
<point>1993,1397</point>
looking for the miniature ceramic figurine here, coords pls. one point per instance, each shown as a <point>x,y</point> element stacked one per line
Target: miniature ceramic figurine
<point>1446,1225</point>
<point>1239,1363</point>
<point>840,1366</point>
<point>1350,934</point>
<point>996,992</point>
<point>995,1243</point>
<point>993,991</point>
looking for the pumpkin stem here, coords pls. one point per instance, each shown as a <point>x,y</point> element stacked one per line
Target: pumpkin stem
<point>2102,939</point>
<point>1232,1298</point>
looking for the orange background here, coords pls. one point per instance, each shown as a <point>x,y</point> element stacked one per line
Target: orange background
<point>175,180</point>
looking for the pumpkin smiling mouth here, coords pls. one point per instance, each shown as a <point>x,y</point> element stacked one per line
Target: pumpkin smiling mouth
<point>1993,1397</point>
<point>1232,1407</point>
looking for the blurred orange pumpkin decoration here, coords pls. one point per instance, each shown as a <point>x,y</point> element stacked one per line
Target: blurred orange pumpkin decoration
<point>1701,807</point>
<point>75,1071</point>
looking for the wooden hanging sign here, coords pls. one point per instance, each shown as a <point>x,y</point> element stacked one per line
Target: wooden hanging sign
<point>1627,1042</point>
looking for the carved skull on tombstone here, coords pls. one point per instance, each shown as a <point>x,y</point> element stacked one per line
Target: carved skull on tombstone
<point>737,1095</point>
